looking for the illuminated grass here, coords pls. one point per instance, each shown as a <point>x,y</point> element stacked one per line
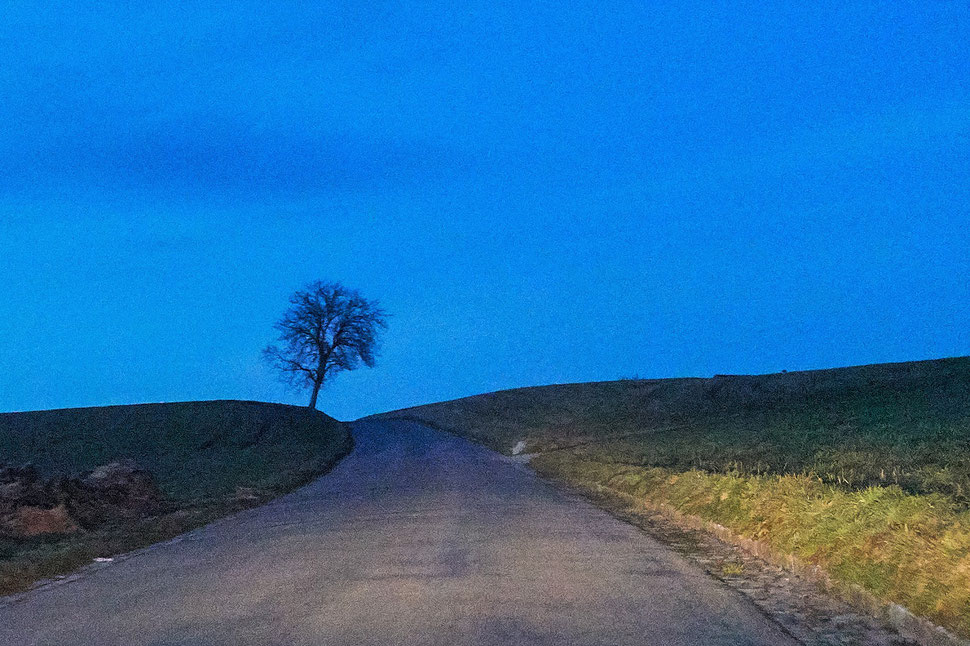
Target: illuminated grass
<point>910,549</point>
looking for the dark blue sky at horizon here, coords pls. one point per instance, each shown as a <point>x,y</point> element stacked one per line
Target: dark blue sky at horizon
<point>538,194</point>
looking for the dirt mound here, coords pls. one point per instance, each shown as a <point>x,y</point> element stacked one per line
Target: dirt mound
<point>114,492</point>
<point>33,521</point>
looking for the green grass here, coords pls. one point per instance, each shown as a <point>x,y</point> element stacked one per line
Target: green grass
<point>863,470</point>
<point>902,424</point>
<point>199,452</point>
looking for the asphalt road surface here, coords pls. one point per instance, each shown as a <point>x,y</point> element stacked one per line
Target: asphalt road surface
<point>418,537</point>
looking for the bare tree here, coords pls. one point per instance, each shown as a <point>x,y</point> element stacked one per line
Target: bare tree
<point>328,329</point>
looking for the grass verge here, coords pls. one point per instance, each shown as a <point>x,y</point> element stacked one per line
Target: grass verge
<point>908,549</point>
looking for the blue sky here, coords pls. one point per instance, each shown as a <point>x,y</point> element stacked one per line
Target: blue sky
<point>538,194</point>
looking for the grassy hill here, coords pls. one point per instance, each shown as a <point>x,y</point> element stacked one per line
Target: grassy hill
<point>194,449</point>
<point>864,471</point>
<point>201,454</point>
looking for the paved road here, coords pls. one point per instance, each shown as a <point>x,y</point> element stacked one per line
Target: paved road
<point>416,538</point>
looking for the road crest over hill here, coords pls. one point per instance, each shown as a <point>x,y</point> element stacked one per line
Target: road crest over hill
<point>418,537</point>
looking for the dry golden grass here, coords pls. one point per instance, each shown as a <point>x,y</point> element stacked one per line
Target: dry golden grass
<point>909,549</point>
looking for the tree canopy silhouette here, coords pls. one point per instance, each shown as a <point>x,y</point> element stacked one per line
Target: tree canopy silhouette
<point>328,329</point>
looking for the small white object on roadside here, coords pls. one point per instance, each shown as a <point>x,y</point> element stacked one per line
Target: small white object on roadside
<point>518,448</point>
<point>102,559</point>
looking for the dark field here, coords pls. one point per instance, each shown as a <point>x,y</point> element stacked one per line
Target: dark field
<point>210,458</point>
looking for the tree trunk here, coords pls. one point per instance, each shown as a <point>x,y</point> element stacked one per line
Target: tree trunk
<point>316,391</point>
